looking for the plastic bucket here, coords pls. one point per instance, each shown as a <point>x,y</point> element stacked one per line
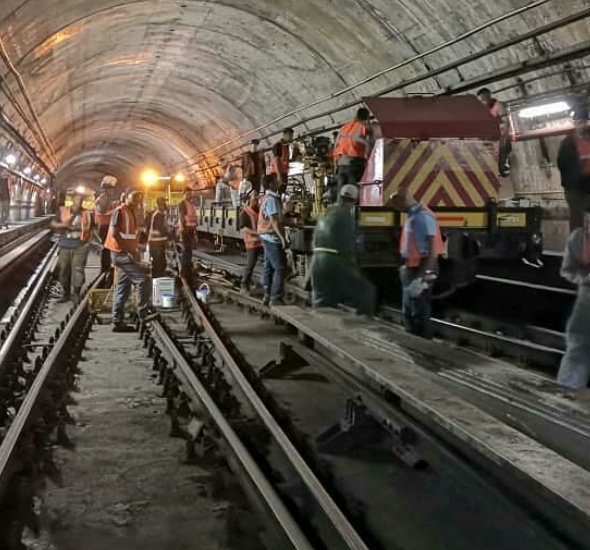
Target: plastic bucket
<point>168,301</point>
<point>203,292</point>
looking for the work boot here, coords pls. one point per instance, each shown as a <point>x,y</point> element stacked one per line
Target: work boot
<point>266,300</point>
<point>123,327</point>
<point>277,302</point>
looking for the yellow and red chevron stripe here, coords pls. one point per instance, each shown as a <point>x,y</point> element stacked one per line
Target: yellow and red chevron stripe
<point>449,173</point>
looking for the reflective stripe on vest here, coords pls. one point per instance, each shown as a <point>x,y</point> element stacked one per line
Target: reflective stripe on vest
<point>128,232</point>
<point>415,257</point>
<point>154,235</point>
<point>583,148</point>
<point>190,221</point>
<point>283,165</point>
<point>251,241</point>
<point>66,215</point>
<point>352,140</point>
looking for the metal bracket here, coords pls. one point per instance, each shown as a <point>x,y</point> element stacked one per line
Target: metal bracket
<point>363,426</point>
<point>287,362</point>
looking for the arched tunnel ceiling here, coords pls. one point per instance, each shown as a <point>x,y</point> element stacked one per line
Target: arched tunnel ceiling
<point>121,84</point>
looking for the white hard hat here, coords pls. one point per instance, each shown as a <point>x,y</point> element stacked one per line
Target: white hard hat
<point>350,191</point>
<point>108,181</point>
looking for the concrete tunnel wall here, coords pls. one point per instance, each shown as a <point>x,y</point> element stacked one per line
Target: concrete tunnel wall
<point>119,85</point>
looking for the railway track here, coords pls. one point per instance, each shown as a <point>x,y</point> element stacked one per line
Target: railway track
<point>207,332</point>
<point>283,430</point>
<point>532,346</point>
<point>38,357</point>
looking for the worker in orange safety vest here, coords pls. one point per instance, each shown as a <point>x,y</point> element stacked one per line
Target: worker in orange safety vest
<point>105,202</point>
<point>420,246</point>
<point>500,111</point>
<point>283,152</point>
<point>248,227</point>
<point>188,220</point>
<point>123,242</point>
<point>75,226</point>
<point>158,237</point>
<point>352,149</point>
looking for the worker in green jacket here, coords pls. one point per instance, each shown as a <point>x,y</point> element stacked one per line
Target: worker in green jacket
<point>335,277</point>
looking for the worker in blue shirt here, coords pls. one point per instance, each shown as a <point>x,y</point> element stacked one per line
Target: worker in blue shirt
<point>274,242</point>
<point>420,246</point>
<point>574,370</point>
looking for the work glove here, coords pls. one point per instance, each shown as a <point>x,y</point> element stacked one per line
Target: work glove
<point>417,287</point>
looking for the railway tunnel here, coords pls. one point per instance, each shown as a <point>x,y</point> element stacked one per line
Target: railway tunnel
<point>216,420</point>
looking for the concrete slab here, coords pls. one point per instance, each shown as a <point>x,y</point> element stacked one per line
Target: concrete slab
<point>520,459</point>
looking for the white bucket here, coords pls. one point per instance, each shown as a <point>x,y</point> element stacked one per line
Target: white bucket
<point>168,301</point>
<point>203,292</point>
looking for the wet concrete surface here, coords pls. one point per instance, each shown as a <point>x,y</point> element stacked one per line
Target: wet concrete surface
<point>124,485</point>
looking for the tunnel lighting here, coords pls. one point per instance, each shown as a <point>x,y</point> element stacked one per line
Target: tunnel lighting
<point>180,178</point>
<point>81,189</point>
<point>28,170</point>
<point>547,109</point>
<point>37,177</point>
<point>149,177</point>
<point>10,159</point>
<point>44,181</point>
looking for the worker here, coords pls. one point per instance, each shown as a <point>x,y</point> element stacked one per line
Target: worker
<point>274,242</point>
<point>158,236</point>
<point>4,198</point>
<point>248,228</point>
<point>352,150</point>
<point>574,370</point>
<point>573,161</point>
<point>420,246</point>
<point>499,110</point>
<point>229,180</point>
<point>253,166</point>
<point>335,277</point>
<point>75,226</point>
<point>104,205</point>
<point>188,222</point>
<point>123,242</point>
<point>283,152</point>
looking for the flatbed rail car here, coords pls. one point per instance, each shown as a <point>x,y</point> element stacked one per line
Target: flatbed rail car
<point>443,149</point>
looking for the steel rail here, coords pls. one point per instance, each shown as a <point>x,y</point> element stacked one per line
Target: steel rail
<point>7,259</point>
<point>242,457</point>
<point>349,535</point>
<point>25,412</point>
<point>20,315</point>
<point>546,355</point>
<point>534,286</point>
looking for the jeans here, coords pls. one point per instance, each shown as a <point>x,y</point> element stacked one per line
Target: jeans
<point>274,269</point>
<point>158,256</point>
<point>416,310</point>
<point>71,263</point>
<point>253,255</point>
<point>4,212</point>
<point>105,255</point>
<point>350,173</point>
<point>186,260</point>
<point>130,273</point>
<point>335,280</point>
<point>574,370</point>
